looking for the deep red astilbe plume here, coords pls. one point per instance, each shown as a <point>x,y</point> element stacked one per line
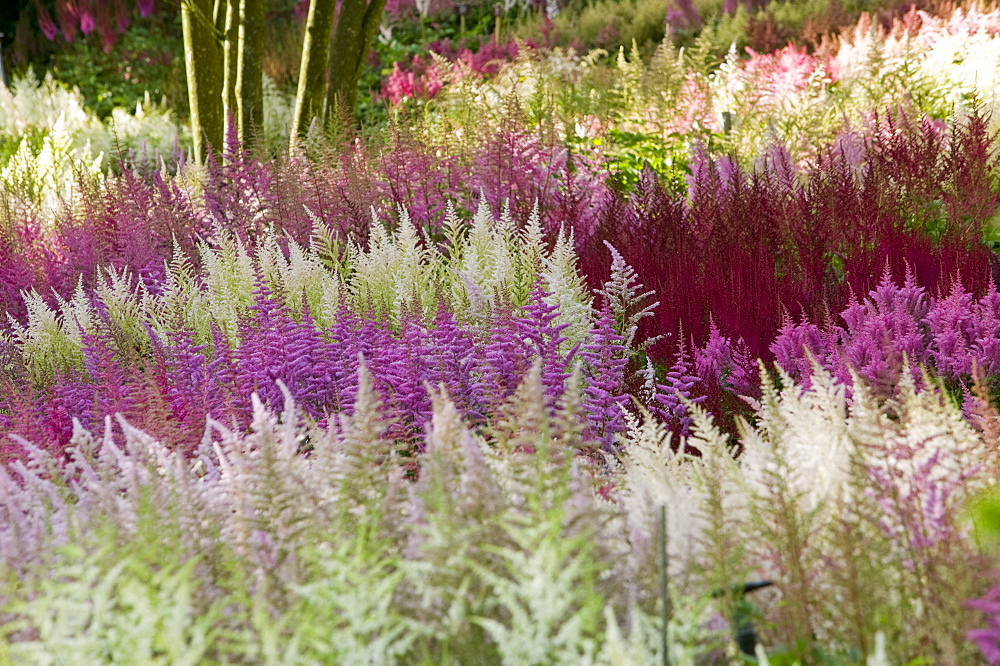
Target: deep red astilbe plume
<point>749,246</point>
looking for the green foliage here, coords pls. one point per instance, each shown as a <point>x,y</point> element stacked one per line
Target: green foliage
<point>147,60</point>
<point>603,24</point>
<point>630,153</point>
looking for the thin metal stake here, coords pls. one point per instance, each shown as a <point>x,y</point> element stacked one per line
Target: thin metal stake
<point>666,609</point>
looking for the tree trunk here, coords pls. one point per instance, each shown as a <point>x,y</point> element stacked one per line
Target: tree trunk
<point>250,69</point>
<point>230,19</point>
<point>203,64</point>
<point>312,71</point>
<point>356,28</point>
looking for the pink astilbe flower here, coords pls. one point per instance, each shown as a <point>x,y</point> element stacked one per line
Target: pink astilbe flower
<point>86,15</point>
<point>880,333</point>
<point>67,15</point>
<point>781,73</point>
<point>45,22</point>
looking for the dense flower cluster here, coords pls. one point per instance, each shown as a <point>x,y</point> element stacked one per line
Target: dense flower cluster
<point>545,378</point>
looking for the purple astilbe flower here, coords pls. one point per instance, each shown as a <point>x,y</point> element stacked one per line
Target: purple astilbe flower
<point>110,378</point>
<point>988,638</point>
<point>683,15</point>
<point>451,361</point>
<point>340,373</point>
<point>678,388</point>
<point>224,399</point>
<point>605,396</point>
<point>542,339</point>
<point>502,359</point>
<point>72,397</point>
<point>272,346</point>
<point>180,372</point>
<point>402,371</point>
<point>729,365</point>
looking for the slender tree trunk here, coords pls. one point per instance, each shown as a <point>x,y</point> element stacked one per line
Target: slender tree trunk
<point>312,71</point>
<point>356,28</point>
<point>230,19</point>
<point>250,69</point>
<point>203,63</point>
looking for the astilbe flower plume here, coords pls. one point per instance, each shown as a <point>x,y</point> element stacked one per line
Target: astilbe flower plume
<point>988,638</point>
<point>542,338</point>
<point>898,326</point>
<point>672,395</point>
<point>746,245</point>
<point>605,397</point>
<point>273,347</point>
<point>728,364</point>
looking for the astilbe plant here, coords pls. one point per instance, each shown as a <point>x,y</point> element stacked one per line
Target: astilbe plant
<point>606,359</point>
<point>168,353</point>
<point>265,539</point>
<point>747,245</point>
<point>898,326</point>
<point>853,509</point>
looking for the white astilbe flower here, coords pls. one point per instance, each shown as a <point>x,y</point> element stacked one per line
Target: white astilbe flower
<point>229,279</point>
<point>569,292</point>
<point>809,428</point>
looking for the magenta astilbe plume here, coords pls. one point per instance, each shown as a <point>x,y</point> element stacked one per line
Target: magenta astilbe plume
<point>417,179</point>
<point>45,22</point>
<point>85,12</point>
<point>745,246</point>
<point>965,333</point>
<point>66,14</point>
<point>794,346</point>
<point>238,191</point>
<point>881,331</point>
<point>605,395</point>
<point>952,327</point>
<point>146,7</point>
